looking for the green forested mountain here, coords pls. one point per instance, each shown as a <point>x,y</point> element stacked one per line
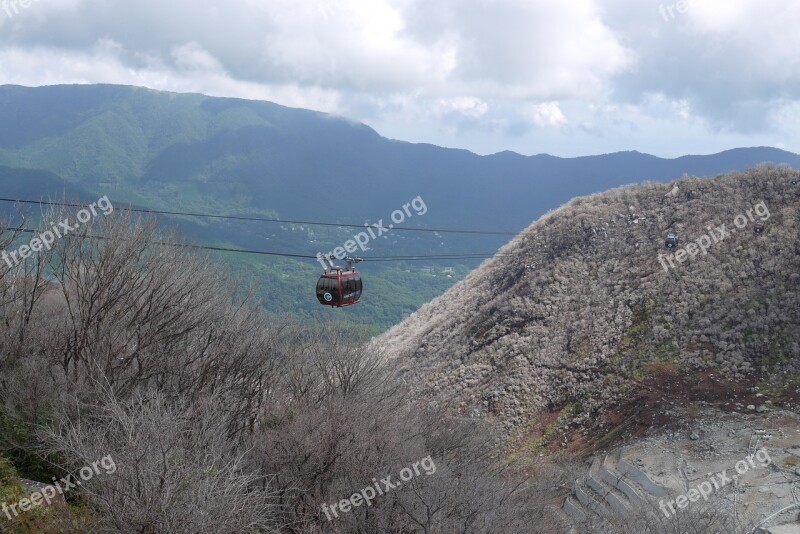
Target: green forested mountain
<point>222,155</point>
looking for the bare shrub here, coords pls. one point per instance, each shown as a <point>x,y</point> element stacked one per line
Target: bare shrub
<point>175,468</point>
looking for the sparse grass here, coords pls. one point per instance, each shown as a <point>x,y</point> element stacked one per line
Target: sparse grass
<point>54,519</point>
<point>537,439</point>
<point>775,357</point>
<point>791,462</point>
<point>781,389</point>
<point>666,351</point>
<point>661,369</point>
<point>15,433</point>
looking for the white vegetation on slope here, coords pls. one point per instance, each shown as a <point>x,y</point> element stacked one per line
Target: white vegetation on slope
<point>583,304</point>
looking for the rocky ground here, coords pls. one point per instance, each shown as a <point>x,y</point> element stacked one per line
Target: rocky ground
<point>745,465</point>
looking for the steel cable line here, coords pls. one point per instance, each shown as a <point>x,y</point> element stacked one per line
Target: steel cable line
<point>289,255</point>
<point>264,219</point>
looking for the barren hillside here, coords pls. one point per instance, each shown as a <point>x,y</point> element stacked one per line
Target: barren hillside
<point>586,326</point>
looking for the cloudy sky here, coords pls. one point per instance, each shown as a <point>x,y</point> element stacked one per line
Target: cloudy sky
<point>569,77</point>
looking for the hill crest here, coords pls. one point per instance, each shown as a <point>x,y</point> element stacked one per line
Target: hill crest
<point>579,320</point>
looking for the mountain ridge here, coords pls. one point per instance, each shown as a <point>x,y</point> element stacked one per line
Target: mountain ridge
<point>580,320</point>
<point>119,89</point>
<point>191,152</point>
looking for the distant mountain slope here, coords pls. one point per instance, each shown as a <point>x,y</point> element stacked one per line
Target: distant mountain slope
<point>35,184</point>
<point>585,311</point>
<point>225,155</point>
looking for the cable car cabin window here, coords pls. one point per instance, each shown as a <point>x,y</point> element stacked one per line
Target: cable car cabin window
<point>349,290</point>
<point>359,287</point>
<point>333,288</point>
<point>328,291</point>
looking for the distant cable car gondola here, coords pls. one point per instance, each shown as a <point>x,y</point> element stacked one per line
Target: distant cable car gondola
<point>795,181</point>
<point>759,228</point>
<point>671,241</point>
<point>339,287</point>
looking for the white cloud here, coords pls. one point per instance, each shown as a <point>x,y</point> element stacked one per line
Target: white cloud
<point>475,73</point>
<point>521,49</point>
<point>731,62</point>
<point>518,49</point>
<point>467,106</point>
<point>192,57</point>
<point>547,114</point>
<point>38,66</point>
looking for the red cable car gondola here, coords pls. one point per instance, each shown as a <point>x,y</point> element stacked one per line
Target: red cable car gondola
<point>338,287</point>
